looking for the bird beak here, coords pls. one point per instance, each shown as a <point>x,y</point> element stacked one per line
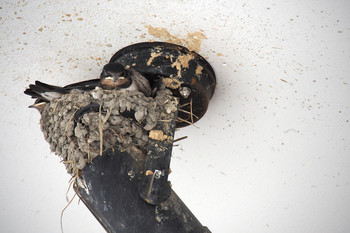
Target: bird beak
<point>121,81</point>
<point>108,82</point>
<point>39,106</point>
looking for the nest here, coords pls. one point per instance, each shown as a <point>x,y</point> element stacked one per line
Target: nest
<point>122,119</point>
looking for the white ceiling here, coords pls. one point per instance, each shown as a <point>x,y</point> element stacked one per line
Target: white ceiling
<point>270,155</point>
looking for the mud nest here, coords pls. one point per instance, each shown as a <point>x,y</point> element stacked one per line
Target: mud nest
<point>121,119</point>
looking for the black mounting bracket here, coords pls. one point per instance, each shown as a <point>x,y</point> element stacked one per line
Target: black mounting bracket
<point>128,191</point>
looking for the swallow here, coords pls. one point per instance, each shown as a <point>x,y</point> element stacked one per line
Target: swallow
<point>113,77</point>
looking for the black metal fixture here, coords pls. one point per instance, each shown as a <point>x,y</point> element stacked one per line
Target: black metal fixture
<point>127,190</point>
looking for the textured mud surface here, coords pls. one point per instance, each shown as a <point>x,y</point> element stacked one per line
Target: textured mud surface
<point>121,119</point>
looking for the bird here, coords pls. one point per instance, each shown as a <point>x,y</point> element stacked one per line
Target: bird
<point>113,77</point>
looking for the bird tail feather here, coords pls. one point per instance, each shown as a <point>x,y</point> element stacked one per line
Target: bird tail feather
<point>41,90</point>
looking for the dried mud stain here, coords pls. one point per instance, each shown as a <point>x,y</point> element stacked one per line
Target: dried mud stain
<point>157,135</point>
<point>182,62</point>
<point>199,70</point>
<point>193,40</point>
<point>172,82</point>
<point>153,55</point>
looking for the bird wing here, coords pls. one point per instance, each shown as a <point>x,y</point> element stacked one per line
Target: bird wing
<point>84,85</point>
<point>45,92</point>
<point>141,82</point>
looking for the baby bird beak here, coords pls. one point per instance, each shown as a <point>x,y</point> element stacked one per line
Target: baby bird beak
<point>121,82</point>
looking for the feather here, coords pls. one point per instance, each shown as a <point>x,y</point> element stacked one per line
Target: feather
<point>141,82</point>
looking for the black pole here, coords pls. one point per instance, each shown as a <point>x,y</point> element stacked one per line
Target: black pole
<point>109,188</point>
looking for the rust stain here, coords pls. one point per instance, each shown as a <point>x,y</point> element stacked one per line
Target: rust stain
<point>193,81</point>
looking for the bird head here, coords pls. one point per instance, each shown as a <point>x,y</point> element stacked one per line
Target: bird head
<point>39,105</point>
<point>114,76</point>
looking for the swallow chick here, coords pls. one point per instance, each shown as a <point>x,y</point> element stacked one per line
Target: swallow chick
<point>113,77</point>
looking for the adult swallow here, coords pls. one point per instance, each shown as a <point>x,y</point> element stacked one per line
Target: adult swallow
<point>113,77</point>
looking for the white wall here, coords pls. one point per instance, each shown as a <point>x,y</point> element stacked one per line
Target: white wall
<point>270,155</point>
